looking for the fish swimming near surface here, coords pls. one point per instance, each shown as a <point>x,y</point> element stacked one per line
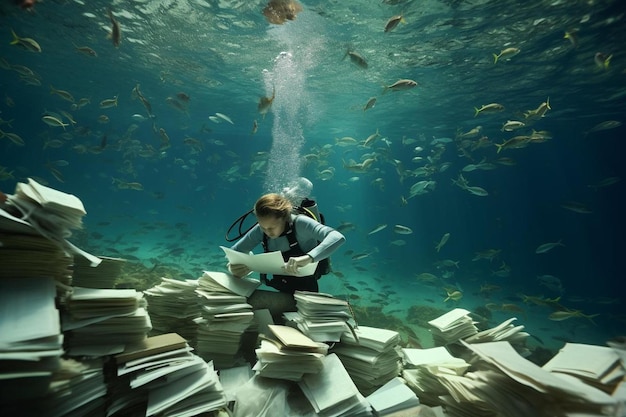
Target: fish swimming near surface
<point>27,43</point>
<point>402,230</point>
<point>488,108</point>
<point>393,22</point>
<point>505,53</point>
<point>356,59</point>
<point>548,246</point>
<point>442,242</point>
<point>265,103</point>
<point>377,228</point>
<point>370,103</point>
<point>400,85</point>
<point>116,30</point>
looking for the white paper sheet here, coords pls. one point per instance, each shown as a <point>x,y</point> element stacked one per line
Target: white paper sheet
<point>266,263</point>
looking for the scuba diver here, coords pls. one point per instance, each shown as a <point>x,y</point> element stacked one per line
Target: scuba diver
<point>299,238</point>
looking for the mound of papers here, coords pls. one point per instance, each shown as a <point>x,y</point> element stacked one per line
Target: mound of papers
<point>163,372</point>
<point>371,356</point>
<point>101,322</point>
<point>452,326</point>
<point>30,338</point>
<point>52,213</point>
<point>173,306</point>
<point>320,316</point>
<point>225,316</point>
<point>286,353</point>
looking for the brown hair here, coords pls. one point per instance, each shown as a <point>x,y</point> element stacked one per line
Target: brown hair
<point>273,205</point>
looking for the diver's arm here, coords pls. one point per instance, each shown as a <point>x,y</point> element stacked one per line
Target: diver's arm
<point>329,238</point>
<point>245,245</point>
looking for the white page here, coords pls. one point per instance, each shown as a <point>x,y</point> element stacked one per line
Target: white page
<point>392,396</point>
<point>240,286</point>
<point>266,263</point>
<point>430,356</point>
<point>27,309</point>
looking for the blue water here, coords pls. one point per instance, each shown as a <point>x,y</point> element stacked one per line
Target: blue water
<point>225,56</point>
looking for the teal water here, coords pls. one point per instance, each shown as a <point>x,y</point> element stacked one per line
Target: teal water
<point>225,56</point>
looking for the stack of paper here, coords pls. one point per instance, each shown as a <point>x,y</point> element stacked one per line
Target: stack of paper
<point>394,397</point>
<point>331,392</point>
<point>78,388</point>
<point>53,214</point>
<point>33,256</point>
<point>288,354</point>
<point>502,332</point>
<point>452,326</point>
<point>163,375</point>
<point>422,367</point>
<point>100,322</point>
<point>54,211</point>
<point>173,306</point>
<point>322,317</point>
<point>599,366</point>
<point>102,276</point>
<point>227,283</point>
<point>30,339</point>
<point>504,383</point>
<point>372,359</point>
<point>225,317</point>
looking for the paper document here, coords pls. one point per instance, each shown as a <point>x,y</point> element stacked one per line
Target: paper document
<point>266,263</point>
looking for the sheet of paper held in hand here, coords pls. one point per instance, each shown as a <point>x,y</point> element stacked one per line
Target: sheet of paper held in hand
<point>266,263</point>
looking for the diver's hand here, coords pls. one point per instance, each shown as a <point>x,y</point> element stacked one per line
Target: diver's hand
<point>238,270</point>
<point>292,265</point>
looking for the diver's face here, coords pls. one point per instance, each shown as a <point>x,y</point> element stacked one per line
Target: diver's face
<point>272,226</point>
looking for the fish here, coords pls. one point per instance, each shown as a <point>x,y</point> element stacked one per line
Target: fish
<point>85,50</point>
<point>516,142</point>
<point>255,127</point>
<point>572,36</point>
<point>377,228</point>
<point>512,125</point>
<point>543,248</point>
<point>224,117</point>
<point>400,85</point>
<point>398,242</point>
<point>108,103</point>
<point>606,125</point>
<point>65,95</point>
<point>442,241</point>
<point>370,103</point>
<point>568,314</point>
<point>608,181</point>
<point>576,207</point>
<point>183,97</point>
<point>479,191</point>
<point>453,295</point>
<point>13,137</point>
<point>360,256</point>
<point>265,103</point>
<point>346,141</point>
<point>488,108</point>
<point>602,60</point>
<point>356,59</point>
<point>27,43</point>
<point>116,30</point>
<point>506,53</point>
<point>402,230</point>
<point>54,121</point>
<point>393,22</point>
<point>371,138</point>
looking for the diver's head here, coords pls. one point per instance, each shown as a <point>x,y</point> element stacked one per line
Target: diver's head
<point>273,212</point>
